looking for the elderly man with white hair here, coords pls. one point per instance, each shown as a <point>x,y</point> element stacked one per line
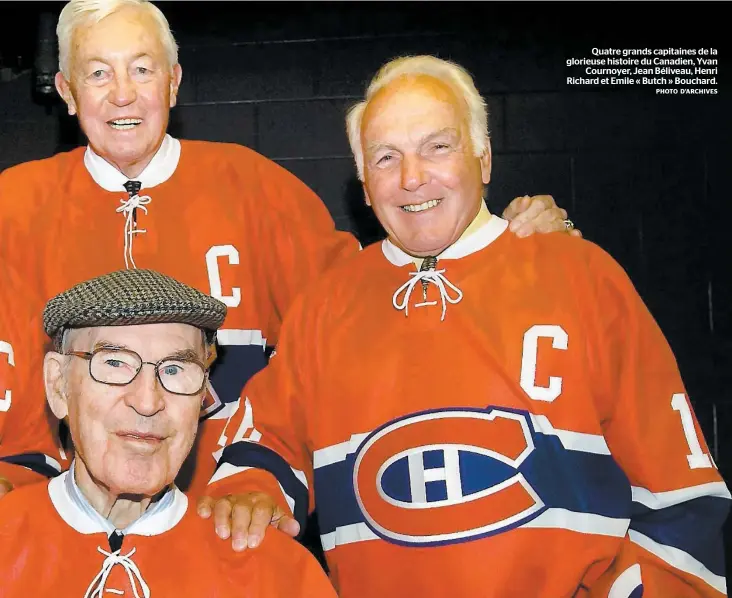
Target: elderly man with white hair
<point>473,414</point>
<point>128,373</point>
<point>217,216</point>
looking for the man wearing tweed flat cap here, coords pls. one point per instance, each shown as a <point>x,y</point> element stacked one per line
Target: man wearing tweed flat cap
<point>117,509</point>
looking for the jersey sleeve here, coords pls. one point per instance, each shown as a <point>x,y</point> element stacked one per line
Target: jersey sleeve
<point>674,544</point>
<point>300,239</point>
<point>286,568</point>
<point>267,445</point>
<point>29,450</point>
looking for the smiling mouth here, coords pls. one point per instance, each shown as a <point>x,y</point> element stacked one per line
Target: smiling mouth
<point>124,124</point>
<point>421,207</point>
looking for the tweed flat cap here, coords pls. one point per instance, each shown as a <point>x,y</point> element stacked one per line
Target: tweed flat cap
<point>128,297</point>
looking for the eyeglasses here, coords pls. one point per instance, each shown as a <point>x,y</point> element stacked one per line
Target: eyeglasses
<point>119,367</point>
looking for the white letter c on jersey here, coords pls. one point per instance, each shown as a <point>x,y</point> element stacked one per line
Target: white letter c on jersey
<point>214,276</point>
<point>529,357</point>
<point>7,348</point>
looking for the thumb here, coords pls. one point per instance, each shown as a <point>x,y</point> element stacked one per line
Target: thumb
<point>288,525</point>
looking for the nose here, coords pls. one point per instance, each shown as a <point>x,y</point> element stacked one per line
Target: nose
<point>145,394</point>
<point>413,174</point>
<point>123,91</point>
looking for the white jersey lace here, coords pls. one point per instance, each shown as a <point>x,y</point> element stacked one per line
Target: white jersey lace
<point>128,208</point>
<point>438,279</point>
<point>97,587</point>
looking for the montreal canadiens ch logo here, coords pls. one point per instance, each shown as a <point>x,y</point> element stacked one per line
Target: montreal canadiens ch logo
<point>446,476</point>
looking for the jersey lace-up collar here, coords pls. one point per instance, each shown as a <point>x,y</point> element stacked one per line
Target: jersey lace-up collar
<point>449,292</point>
<point>160,169</point>
<point>76,511</point>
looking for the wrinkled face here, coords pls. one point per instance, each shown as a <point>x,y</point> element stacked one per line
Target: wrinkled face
<point>121,87</point>
<point>131,439</point>
<point>421,177</point>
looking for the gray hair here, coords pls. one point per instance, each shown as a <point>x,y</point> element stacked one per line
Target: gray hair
<point>78,12</point>
<point>450,73</point>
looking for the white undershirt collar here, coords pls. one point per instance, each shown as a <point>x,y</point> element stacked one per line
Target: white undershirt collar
<point>75,510</point>
<point>480,239</point>
<point>159,170</point>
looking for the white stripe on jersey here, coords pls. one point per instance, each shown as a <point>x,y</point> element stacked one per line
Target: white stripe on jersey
<point>234,336</point>
<point>552,518</point>
<point>661,500</point>
<point>51,462</point>
<point>226,470</point>
<point>571,441</point>
<point>347,534</point>
<point>337,452</point>
<point>679,559</point>
<point>584,523</point>
<point>626,583</point>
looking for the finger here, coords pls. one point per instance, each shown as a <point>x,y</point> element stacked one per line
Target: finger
<point>241,517</point>
<point>222,518</point>
<point>205,506</point>
<point>546,222</point>
<point>546,200</point>
<point>262,514</point>
<point>575,232</point>
<point>549,222</point>
<point>535,208</point>
<point>287,525</point>
<point>518,205</point>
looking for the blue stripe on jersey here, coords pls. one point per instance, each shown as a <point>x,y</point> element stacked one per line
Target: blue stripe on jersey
<point>250,454</point>
<point>234,366</point>
<point>678,526</point>
<point>35,462</point>
<point>567,479</point>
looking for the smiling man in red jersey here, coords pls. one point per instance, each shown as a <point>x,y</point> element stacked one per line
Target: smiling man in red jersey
<point>470,413</point>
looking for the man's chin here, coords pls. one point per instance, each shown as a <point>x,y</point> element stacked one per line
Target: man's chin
<point>422,248</point>
<point>133,487</point>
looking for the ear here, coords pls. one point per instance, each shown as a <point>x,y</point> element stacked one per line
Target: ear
<point>366,196</point>
<point>486,163</point>
<point>64,90</point>
<point>175,80</point>
<point>53,377</point>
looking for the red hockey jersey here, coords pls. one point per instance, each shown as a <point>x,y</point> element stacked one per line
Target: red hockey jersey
<point>218,217</point>
<point>510,423</point>
<point>49,546</point>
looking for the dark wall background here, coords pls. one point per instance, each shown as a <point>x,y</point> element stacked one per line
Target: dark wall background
<point>647,177</point>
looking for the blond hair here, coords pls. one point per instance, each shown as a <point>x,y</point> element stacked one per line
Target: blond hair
<point>450,73</point>
<point>77,12</point>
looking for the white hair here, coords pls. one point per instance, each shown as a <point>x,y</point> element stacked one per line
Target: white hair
<point>78,12</point>
<point>450,73</point>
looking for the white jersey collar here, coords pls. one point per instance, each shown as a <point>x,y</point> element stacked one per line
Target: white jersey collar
<point>160,169</point>
<point>478,240</point>
<point>76,511</point>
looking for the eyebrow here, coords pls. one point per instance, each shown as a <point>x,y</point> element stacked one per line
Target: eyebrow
<point>109,345</point>
<point>440,133</point>
<point>106,61</point>
<point>182,354</point>
<point>186,355</point>
<point>373,147</point>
